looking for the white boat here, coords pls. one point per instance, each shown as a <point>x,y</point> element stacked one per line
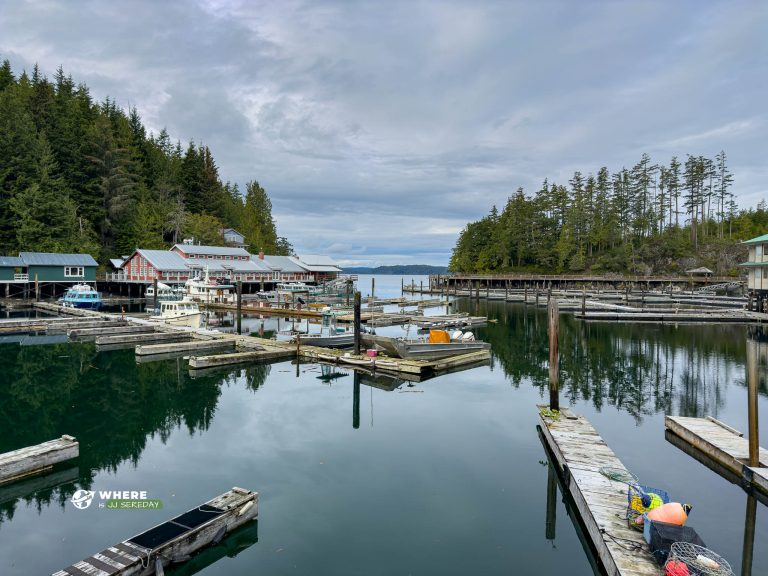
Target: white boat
<point>179,313</point>
<point>329,336</point>
<point>164,292</point>
<point>209,291</point>
<point>425,349</point>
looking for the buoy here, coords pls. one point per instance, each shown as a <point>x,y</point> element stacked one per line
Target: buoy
<point>676,568</point>
<point>247,506</point>
<point>672,513</point>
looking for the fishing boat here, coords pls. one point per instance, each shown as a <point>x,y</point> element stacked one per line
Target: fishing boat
<point>164,292</point>
<point>329,336</point>
<point>433,348</point>
<point>209,291</point>
<point>178,313</point>
<point>81,296</point>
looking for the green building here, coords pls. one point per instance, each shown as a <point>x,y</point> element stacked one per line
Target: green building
<point>49,267</point>
<point>12,269</point>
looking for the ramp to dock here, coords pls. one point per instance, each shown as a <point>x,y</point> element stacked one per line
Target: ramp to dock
<point>579,453</point>
<point>723,444</point>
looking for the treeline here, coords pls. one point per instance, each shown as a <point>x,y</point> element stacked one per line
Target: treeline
<point>400,269</point>
<point>649,218</point>
<point>80,176</point>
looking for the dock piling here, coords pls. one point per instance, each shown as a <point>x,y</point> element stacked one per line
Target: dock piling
<point>154,299</point>
<point>551,520</point>
<point>554,358</point>
<point>357,322</point>
<point>356,400</point>
<point>239,307</point>
<point>752,423</point>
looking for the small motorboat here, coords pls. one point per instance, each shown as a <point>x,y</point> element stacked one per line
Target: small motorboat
<point>179,313</point>
<point>81,296</point>
<point>439,345</point>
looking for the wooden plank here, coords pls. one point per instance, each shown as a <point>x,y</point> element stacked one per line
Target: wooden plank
<point>601,502</point>
<point>199,362</point>
<point>721,443</point>
<point>24,462</point>
<point>194,345</point>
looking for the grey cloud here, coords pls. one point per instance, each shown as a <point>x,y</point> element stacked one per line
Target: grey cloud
<point>375,126</point>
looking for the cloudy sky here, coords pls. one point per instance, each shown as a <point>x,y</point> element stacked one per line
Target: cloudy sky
<point>380,129</point>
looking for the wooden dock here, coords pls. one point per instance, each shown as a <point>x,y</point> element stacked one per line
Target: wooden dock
<point>172,541</point>
<point>579,453</point>
<point>682,317</point>
<point>37,459</point>
<point>723,444</point>
<point>273,353</point>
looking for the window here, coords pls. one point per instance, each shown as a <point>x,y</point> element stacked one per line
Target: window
<point>765,272</point>
<point>74,271</point>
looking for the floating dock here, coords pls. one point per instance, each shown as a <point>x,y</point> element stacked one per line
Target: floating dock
<point>174,540</point>
<point>682,317</point>
<point>723,444</point>
<point>37,459</point>
<point>579,453</point>
<point>273,353</point>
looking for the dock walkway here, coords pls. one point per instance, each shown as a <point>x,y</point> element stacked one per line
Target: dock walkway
<point>579,453</point>
<point>723,444</point>
<point>37,459</point>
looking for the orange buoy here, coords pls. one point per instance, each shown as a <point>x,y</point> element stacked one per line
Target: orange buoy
<point>672,513</point>
<point>676,568</point>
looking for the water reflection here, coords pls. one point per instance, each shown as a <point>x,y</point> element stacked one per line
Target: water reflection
<point>642,369</point>
<point>111,404</point>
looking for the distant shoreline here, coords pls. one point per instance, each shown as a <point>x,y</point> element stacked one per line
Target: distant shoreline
<point>420,269</point>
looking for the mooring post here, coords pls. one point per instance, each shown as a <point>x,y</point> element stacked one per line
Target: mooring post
<point>752,424</point>
<point>554,357</point>
<point>402,285</point>
<point>356,400</point>
<point>349,287</point>
<point>549,531</point>
<point>37,289</point>
<point>584,301</point>
<point>154,299</point>
<point>373,288</point>
<point>239,306</point>
<point>298,354</point>
<point>357,322</point>
<point>549,295</point>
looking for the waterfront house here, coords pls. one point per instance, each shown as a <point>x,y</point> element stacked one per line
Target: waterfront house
<point>222,262</point>
<point>284,268</point>
<point>12,269</point>
<point>233,238</point>
<point>757,270</point>
<point>323,268</point>
<point>146,265</point>
<point>50,267</point>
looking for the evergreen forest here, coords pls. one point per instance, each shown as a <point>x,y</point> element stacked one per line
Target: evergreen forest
<point>82,176</point>
<point>648,219</point>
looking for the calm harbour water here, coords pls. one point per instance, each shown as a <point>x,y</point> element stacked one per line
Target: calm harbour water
<point>446,476</point>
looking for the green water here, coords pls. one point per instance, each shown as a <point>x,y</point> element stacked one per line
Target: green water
<point>447,476</point>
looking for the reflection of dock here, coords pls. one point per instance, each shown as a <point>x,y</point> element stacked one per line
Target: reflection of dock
<point>174,540</point>
<point>30,486</point>
<point>579,453</point>
<point>722,444</point>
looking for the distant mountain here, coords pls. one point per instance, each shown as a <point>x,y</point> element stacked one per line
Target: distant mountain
<point>415,269</point>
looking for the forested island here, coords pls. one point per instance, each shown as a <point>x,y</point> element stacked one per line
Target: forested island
<point>80,176</point>
<point>651,218</point>
<point>401,269</point>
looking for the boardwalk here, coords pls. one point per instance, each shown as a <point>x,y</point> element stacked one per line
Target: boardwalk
<point>723,444</point>
<point>579,453</point>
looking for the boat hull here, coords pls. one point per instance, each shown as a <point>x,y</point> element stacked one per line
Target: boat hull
<point>340,341</point>
<point>421,350</point>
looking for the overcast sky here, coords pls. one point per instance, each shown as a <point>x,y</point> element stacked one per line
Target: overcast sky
<point>379,129</point>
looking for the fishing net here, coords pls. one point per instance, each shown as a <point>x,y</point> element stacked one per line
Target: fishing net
<point>687,559</point>
<point>619,475</point>
<point>640,500</point>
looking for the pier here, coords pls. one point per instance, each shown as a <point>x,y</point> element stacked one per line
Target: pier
<point>38,459</point>
<point>579,453</point>
<point>724,445</point>
<point>173,541</point>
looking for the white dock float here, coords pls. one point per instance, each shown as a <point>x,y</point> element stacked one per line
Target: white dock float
<point>191,346</point>
<point>579,453</point>
<point>37,459</point>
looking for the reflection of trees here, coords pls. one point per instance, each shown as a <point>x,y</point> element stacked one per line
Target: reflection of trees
<point>110,403</point>
<point>640,368</point>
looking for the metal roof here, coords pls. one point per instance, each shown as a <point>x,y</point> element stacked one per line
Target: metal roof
<point>758,240</point>
<point>701,270</point>
<point>283,264</point>
<point>241,266</point>
<point>55,259</point>
<point>116,262</point>
<point>163,260</point>
<point>317,263</point>
<point>212,250</point>
<point>11,261</point>
<point>260,264</point>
